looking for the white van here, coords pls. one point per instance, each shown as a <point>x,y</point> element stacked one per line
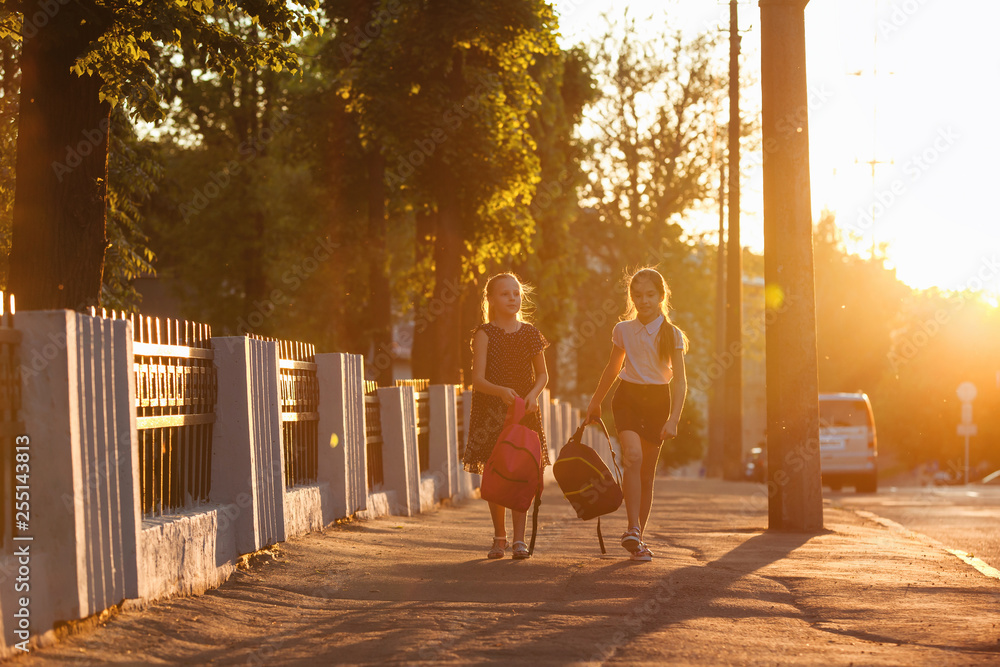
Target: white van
<point>848,450</point>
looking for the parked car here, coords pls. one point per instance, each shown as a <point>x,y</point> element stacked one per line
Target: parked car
<point>847,443</point>
<point>755,466</point>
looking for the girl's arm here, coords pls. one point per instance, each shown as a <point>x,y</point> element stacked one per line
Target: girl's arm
<point>480,343</point>
<point>678,391</point>
<point>611,371</point>
<point>541,379</point>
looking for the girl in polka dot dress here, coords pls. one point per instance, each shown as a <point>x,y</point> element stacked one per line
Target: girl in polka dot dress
<point>507,361</point>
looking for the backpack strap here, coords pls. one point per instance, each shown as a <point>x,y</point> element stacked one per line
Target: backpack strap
<point>604,429</point>
<point>515,412</point>
<point>534,513</point>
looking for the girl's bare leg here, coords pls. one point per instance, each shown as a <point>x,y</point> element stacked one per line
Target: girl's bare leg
<point>499,514</point>
<point>632,475</point>
<point>520,519</point>
<point>647,475</point>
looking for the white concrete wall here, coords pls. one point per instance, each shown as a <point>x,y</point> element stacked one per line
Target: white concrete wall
<point>188,553</point>
<point>305,507</point>
<point>401,466</point>
<point>247,457</point>
<point>90,548</point>
<point>444,464</point>
<point>77,394</point>
<point>342,461</point>
<point>468,483</point>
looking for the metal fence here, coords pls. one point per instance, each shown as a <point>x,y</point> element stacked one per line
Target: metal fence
<point>11,420</point>
<point>423,415</point>
<point>176,388</point>
<point>299,391</point>
<point>373,436</point>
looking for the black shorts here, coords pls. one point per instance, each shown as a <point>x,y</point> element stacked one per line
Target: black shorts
<point>642,408</point>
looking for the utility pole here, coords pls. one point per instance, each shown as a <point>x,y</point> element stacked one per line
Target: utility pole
<point>795,499</point>
<point>717,398</point>
<point>733,353</point>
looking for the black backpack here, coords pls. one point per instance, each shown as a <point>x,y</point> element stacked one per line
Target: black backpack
<point>586,480</point>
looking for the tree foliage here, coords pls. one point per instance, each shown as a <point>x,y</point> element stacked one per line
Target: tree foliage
<point>909,350</point>
<point>444,92</point>
<point>81,59</point>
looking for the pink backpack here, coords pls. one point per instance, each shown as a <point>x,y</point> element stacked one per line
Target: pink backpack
<point>512,476</point>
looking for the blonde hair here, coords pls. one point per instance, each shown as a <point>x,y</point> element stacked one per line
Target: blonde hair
<point>527,307</point>
<point>664,345</point>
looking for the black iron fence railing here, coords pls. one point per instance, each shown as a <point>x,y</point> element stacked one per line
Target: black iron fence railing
<point>176,388</point>
<point>299,391</point>
<point>373,437</point>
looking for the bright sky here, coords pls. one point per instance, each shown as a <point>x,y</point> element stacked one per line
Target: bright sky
<point>910,84</point>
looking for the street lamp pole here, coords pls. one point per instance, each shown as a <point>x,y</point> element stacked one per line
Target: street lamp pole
<point>795,499</point>
<point>733,447</point>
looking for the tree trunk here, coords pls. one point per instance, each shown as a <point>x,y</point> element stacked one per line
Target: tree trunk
<point>445,304</point>
<point>59,235</point>
<point>422,352</point>
<point>380,304</point>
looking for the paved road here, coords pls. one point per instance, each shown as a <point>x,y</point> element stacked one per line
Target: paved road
<point>720,591</point>
<point>960,517</point>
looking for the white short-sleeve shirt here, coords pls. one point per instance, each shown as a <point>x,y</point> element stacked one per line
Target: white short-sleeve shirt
<point>642,360</point>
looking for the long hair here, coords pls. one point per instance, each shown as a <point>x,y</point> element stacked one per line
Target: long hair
<point>527,307</point>
<point>665,342</point>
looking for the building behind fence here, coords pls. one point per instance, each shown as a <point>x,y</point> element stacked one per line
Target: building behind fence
<point>155,455</point>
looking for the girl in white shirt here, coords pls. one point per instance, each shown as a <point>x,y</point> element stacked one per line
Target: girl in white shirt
<point>646,410</point>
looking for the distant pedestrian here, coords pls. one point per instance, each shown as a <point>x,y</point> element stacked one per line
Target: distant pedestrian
<point>507,361</point>
<point>646,410</point>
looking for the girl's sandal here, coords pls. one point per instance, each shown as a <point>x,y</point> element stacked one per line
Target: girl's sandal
<point>499,547</point>
<point>521,551</point>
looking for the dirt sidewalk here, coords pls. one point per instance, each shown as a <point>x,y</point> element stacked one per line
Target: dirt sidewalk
<point>719,591</point>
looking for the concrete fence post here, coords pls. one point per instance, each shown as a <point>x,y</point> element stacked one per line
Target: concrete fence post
<point>400,460</point>
<point>342,463</point>
<point>545,415</point>
<point>556,418</point>
<point>444,463</point>
<point>81,532</point>
<point>247,458</point>
<point>570,420</point>
<point>467,481</point>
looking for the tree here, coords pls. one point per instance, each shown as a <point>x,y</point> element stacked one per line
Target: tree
<point>444,92</point>
<point>568,86</point>
<point>855,302</point>
<point>652,129</point>
<point>10,84</point>
<point>241,221</point>
<point>78,61</point>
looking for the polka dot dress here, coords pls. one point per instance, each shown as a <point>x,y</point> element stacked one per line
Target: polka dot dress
<point>508,364</point>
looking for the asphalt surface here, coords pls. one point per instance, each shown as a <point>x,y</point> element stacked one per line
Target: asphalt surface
<point>962,517</point>
<point>721,590</point>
